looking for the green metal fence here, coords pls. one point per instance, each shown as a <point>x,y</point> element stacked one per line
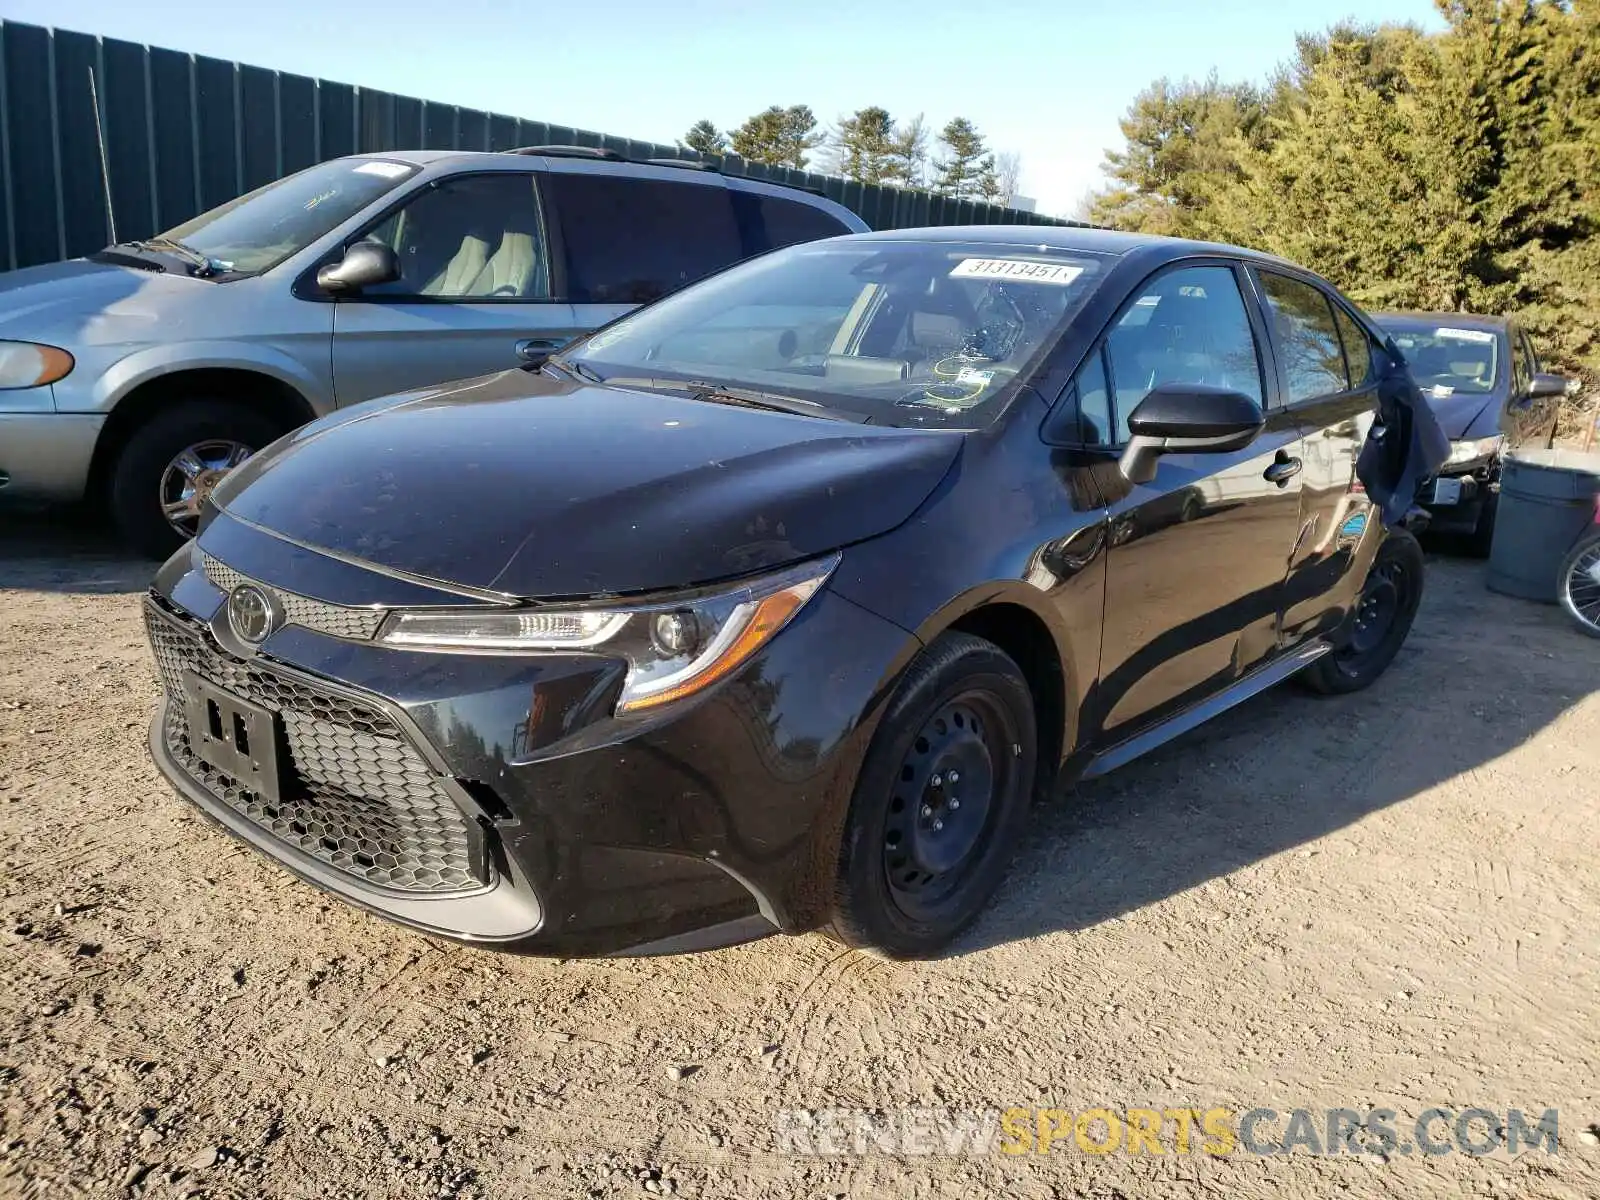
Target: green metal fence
<point>184,133</point>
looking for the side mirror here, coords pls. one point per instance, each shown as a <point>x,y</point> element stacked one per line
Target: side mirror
<point>1187,418</point>
<point>1544,386</point>
<point>364,264</point>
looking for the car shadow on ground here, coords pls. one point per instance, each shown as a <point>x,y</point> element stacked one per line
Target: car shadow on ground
<point>73,551</point>
<point>1480,675</point>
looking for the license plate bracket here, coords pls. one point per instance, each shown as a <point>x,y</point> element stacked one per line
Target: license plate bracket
<point>238,738</point>
<point>1447,491</point>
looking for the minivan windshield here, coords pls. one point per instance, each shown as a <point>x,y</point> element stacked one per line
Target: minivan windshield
<point>260,229</point>
<point>1446,359</point>
<point>900,331</point>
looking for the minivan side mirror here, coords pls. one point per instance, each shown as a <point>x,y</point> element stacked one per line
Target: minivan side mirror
<point>1544,385</point>
<point>364,265</point>
<point>1187,418</point>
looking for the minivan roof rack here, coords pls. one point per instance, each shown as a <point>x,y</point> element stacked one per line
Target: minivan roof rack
<point>684,164</point>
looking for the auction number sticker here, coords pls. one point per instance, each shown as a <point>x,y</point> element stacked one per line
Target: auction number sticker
<point>1019,269</point>
<point>388,170</point>
<point>1465,335</point>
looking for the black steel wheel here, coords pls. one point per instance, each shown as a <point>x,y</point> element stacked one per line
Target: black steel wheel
<point>939,803</point>
<point>1381,622</point>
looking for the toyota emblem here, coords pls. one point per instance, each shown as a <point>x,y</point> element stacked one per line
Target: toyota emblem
<point>252,614</point>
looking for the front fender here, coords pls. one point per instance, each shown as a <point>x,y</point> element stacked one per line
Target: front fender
<point>140,367</point>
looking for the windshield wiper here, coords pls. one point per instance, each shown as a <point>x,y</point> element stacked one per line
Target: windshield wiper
<point>577,370</point>
<point>161,245</point>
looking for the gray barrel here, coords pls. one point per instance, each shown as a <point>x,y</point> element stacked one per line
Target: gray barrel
<point>1547,500</point>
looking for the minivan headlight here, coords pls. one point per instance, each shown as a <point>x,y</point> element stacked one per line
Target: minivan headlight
<point>27,364</point>
<point>674,646</point>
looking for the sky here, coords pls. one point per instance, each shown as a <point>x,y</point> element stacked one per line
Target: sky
<point>1047,79</point>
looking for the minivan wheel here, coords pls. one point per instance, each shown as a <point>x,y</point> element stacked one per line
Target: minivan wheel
<point>166,470</point>
<point>940,801</point>
<point>1384,613</point>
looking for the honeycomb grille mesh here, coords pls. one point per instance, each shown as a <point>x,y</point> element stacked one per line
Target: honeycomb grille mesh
<point>357,796</point>
<point>336,620</point>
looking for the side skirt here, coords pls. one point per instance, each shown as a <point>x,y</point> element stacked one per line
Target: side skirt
<point>1271,674</point>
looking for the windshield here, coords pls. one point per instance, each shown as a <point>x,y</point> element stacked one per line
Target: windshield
<point>903,332</point>
<point>262,228</point>
<point>1448,360</point>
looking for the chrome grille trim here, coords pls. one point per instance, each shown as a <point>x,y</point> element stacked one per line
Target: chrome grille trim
<point>335,620</point>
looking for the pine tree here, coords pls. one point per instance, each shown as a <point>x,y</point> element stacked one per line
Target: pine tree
<point>778,136</point>
<point>864,146</point>
<point>967,171</point>
<point>1179,149</point>
<point>705,138</point>
<point>911,153</point>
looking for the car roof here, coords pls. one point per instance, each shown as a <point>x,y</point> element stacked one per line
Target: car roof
<point>504,160</point>
<point>1088,238</point>
<point>1459,319</point>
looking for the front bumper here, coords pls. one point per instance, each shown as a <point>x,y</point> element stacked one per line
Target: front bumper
<point>1455,501</point>
<point>46,455</point>
<point>496,800</point>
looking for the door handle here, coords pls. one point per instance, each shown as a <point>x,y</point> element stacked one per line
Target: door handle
<point>1283,470</point>
<point>536,350</point>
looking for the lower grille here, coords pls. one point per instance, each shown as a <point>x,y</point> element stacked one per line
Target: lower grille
<point>355,794</point>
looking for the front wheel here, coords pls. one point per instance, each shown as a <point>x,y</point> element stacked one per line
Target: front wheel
<point>940,801</point>
<point>163,475</point>
<point>1578,585</point>
<point>1383,617</point>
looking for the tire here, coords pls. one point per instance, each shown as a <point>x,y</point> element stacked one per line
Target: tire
<point>141,469</point>
<point>1391,593</point>
<point>1581,603</point>
<point>963,706</point>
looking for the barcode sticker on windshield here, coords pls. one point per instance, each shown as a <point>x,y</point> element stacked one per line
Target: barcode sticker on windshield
<point>1017,269</point>
<point>388,170</point>
<point>1465,335</point>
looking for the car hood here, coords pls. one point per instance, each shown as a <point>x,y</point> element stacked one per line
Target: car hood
<point>60,301</point>
<point>1459,414</point>
<point>537,487</point>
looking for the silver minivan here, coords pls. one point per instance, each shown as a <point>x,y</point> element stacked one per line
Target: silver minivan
<point>139,375</point>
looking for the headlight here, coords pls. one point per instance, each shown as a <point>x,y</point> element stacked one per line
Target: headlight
<point>674,646</point>
<point>1472,451</point>
<point>26,365</point>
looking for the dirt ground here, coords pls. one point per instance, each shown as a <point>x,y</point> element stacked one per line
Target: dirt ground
<point>1386,900</point>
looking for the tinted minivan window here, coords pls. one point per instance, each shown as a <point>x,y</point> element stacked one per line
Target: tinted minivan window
<point>630,241</point>
<point>1307,338</point>
<point>769,222</point>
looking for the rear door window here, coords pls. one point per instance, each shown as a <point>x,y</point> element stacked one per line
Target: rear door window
<point>1358,349</point>
<point>768,222</point>
<point>1308,339</point>
<point>631,240</point>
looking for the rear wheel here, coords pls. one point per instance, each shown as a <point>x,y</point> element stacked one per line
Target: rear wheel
<point>168,468</point>
<point>1383,617</point>
<point>939,803</point>
<point>1579,584</point>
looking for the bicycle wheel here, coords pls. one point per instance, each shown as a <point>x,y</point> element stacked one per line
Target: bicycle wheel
<point>1579,584</point>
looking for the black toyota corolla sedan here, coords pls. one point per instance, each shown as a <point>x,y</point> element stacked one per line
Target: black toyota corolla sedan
<point>771,606</point>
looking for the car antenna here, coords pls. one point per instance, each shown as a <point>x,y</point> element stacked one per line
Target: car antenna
<point>105,165</point>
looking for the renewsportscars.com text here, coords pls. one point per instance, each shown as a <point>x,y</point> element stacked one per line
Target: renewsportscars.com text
<point>1102,1130</point>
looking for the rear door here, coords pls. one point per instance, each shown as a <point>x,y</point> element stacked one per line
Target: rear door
<point>1329,380</point>
<point>474,289</point>
<point>1198,556</point>
<point>627,239</point>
